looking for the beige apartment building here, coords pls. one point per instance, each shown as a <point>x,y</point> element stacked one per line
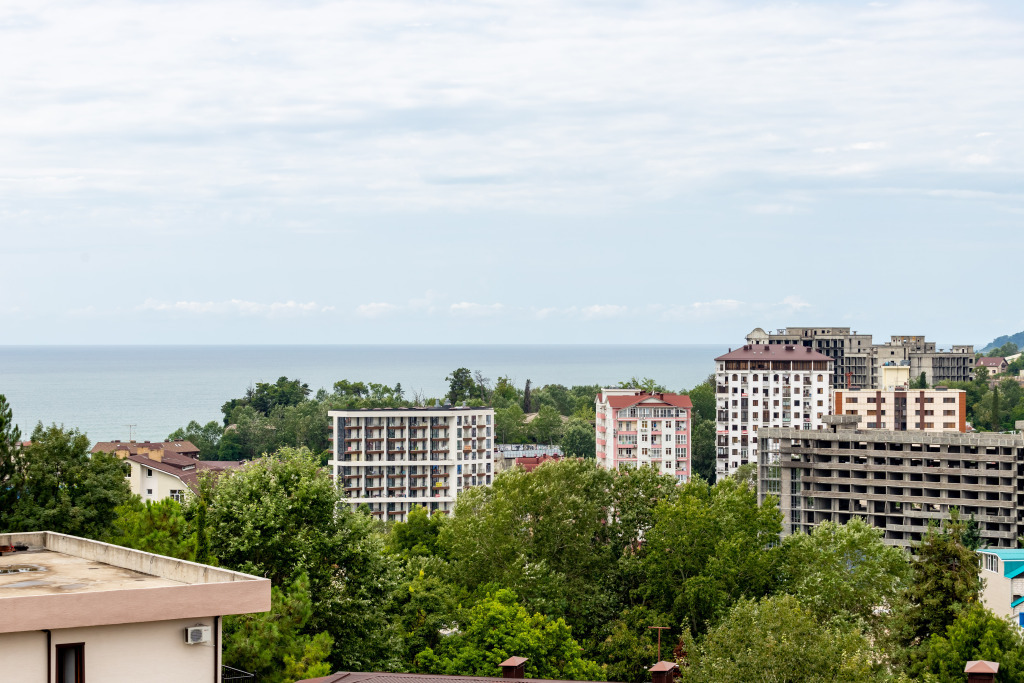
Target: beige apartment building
<point>74,611</point>
<point>902,409</point>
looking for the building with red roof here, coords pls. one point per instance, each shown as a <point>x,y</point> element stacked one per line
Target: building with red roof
<point>767,385</point>
<point>635,428</point>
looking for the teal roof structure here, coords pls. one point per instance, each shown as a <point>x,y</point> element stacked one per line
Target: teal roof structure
<point>1012,559</point>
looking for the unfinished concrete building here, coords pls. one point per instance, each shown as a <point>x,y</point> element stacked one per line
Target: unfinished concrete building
<point>897,481</point>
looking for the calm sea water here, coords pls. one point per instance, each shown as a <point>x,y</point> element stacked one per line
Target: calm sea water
<point>103,389</point>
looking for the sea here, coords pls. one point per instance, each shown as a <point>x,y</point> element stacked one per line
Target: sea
<point>147,392</point>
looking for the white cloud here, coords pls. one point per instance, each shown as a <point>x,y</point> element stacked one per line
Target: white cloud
<point>235,306</point>
<point>602,311</point>
<point>469,308</point>
<point>375,310</point>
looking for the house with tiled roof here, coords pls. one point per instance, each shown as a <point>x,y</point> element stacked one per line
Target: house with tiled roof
<point>995,365</point>
<point>168,469</point>
<point>635,428</point>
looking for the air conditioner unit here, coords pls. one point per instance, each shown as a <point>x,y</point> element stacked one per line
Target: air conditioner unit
<point>197,635</point>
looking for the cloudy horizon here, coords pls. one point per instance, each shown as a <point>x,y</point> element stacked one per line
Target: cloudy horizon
<point>536,172</point>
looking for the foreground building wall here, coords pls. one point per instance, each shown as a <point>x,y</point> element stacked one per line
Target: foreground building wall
<point>394,459</point>
<point>896,481</point>
<point>902,409</point>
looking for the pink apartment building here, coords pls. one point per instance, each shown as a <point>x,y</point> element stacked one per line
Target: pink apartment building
<point>637,429</point>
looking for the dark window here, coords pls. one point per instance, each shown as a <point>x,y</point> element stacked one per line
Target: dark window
<point>71,663</point>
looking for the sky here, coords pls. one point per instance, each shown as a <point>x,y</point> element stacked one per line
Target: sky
<point>536,171</point>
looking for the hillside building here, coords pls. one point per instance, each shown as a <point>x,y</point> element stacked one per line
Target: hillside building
<point>767,385</point>
<point>635,429</point>
<point>392,459</point>
<point>168,469</point>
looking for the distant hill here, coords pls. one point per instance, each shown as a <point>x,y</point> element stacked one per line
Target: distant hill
<point>1017,339</point>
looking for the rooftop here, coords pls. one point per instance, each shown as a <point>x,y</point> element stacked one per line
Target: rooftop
<point>63,581</point>
<point>774,352</point>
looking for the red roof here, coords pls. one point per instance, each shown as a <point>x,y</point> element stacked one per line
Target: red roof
<point>530,463</point>
<point>993,362</point>
<point>653,400</point>
<point>981,667</point>
<point>774,352</point>
<point>186,469</point>
<point>182,446</point>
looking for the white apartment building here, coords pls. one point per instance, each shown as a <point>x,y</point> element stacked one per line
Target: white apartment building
<point>637,429</point>
<point>393,459</point>
<point>767,385</point>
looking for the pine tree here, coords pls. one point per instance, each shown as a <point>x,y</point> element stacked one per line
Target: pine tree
<point>10,444</point>
<point>997,423</point>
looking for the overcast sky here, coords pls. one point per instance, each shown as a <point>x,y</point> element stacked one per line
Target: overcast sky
<point>536,171</point>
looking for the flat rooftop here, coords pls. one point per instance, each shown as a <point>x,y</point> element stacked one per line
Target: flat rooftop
<point>63,581</point>
<point>44,572</point>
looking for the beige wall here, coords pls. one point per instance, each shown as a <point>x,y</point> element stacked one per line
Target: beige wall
<point>154,652</point>
<point>996,594</point>
<point>161,483</point>
<point>23,656</point>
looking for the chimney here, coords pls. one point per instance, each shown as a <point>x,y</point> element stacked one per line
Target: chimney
<point>663,672</point>
<point>514,667</point>
<point>981,671</point>
<point>156,454</point>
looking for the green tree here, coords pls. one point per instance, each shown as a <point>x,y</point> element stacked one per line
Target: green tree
<point>946,581</point>
<point>417,536</point>
<point>544,534</point>
<point>976,634</point>
<point>10,448</point>
<point>777,639</point>
<point>702,449</point>
<point>631,648</point>
<point>995,412</point>
<point>204,437</point>
<point>920,383</point>
<point>579,439</point>
<point>231,446</point>
<point>546,428</point>
<point>505,394</point>
<point>156,527</point>
<point>425,604</point>
<point>645,384</point>
<point>845,574</point>
<point>497,628</point>
<point>708,548</point>
<point>461,386</point>
<point>703,398</point>
<point>57,486</point>
<point>510,424</point>
<point>275,645</point>
<point>280,516</point>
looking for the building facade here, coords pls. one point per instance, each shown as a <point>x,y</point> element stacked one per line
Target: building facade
<point>74,610</point>
<point>767,385</point>
<point>393,459</point>
<point>850,352</point>
<point>901,409</point>
<point>168,469</point>
<point>858,361</point>
<point>636,429</point>
<point>897,481</point>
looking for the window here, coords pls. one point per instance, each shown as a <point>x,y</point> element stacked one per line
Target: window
<point>178,495</point>
<point>149,492</point>
<point>71,663</point>
<point>991,563</point>
<point>149,472</point>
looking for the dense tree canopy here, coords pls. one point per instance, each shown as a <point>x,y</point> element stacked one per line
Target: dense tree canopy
<point>498,627</point>
<point>57,486</point>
